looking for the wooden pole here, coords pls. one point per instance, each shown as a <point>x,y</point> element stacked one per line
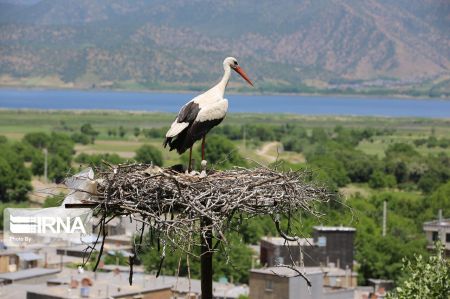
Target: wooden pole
<point>206,263</point>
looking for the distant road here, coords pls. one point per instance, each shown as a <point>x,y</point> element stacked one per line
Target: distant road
<point>265,149</point>
<point>171,102</point>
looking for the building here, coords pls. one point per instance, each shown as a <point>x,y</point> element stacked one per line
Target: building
<point>330,245</point>
<point>282,283</point>
<point>15,259</point>
<point>381,286</point>
<point>438,230</point>
<point>53,260</point>
<point>41,283</point>
<point>276,250</point>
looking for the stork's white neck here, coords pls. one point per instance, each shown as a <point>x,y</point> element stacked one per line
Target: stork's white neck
<point>226,77</point>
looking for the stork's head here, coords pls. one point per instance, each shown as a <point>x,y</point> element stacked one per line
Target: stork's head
<point>232,62</point>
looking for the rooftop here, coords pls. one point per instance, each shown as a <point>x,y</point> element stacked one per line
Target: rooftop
<point>11,291</point>
<point>104,285</point>
<point>182,285</point>
<point>15,251</point>
<point>114,284</point>
<point>329,271</point>
<point>443,223</point>
<point>85,247</point>
<point>125,269</point>
<point>119,238</point>
<point>279,241</point>
<point>379,281</point>
<point>28,273</point>
<point>334,228</point>
<point>98,291</point>
<point>283,271</point>
<point>29,256</point>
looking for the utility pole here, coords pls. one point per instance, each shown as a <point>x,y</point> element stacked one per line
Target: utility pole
<point>384,217</point>
<point>441,234</point>
<point>45,164</point>
<point>206,262</point>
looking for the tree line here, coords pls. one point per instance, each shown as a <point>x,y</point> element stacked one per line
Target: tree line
<point>414,185</point>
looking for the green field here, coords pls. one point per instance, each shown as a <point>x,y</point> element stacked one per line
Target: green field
<point>17,122</point>
<point>381,143</point>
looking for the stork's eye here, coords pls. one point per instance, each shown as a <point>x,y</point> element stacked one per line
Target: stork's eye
<point>235,62</point>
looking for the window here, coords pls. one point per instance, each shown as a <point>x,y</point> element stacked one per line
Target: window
<point>279,260</point>
<point>447,238</point>
<point>322,241</point>
<point>435,236</point>
<point>269,285</point>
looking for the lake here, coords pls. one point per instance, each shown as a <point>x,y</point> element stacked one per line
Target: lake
<point>171,102</point>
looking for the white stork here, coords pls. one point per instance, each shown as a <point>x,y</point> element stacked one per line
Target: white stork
<point>202,113</point>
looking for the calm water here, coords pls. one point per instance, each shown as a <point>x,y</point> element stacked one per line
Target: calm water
<point>171,102</point>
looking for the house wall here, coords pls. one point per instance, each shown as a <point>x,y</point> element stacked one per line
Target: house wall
<point>339,248</point>
<point>5,266</point>
<point>267,253</point>
<point>343,282</point>
<point>270,253</point>
<point>259,282</point>
<point>298,288</point>
<point>434,233</point>
<point>74,253</point>
<point>4,263</point>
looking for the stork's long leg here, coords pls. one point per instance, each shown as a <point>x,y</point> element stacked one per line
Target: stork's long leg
<point>190,160</point>
<point>203,147</point>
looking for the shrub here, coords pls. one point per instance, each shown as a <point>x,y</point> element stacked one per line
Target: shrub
<point>149,154</point>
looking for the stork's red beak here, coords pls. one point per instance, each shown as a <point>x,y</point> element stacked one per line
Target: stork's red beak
<point>241,72</point>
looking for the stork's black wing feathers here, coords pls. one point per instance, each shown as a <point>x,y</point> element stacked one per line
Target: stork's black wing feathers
<point>188,113</point>
<point>194,132</point>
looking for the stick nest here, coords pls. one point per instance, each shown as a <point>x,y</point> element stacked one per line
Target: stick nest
<point>180,206</point>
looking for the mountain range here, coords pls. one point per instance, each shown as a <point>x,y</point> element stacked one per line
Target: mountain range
<point>287,45</point>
